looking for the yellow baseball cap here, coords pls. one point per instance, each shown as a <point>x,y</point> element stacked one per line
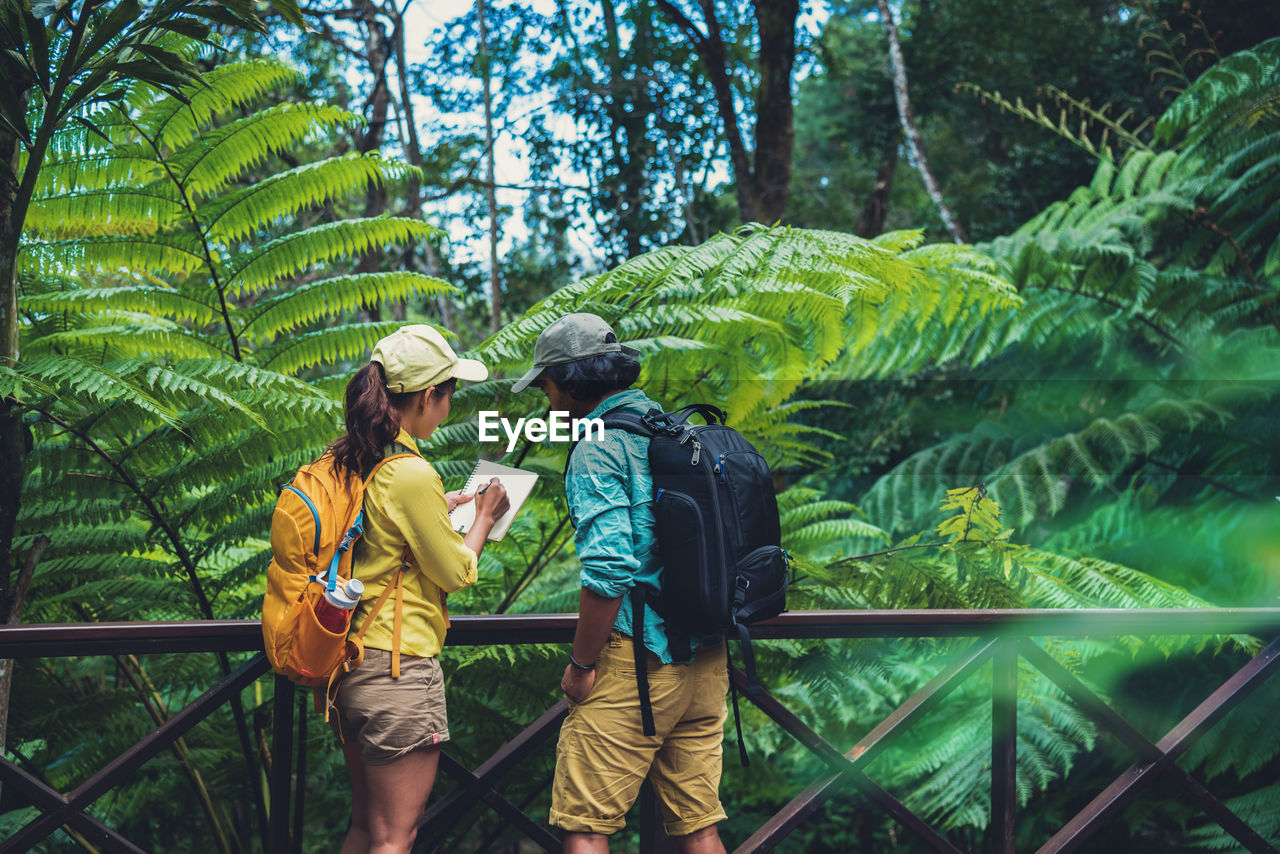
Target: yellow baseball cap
<point>415,357</point>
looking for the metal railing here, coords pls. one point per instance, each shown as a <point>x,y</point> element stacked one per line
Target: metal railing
<point>1002,638</point>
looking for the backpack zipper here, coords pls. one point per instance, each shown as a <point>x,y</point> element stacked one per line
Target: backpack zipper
<point>722,470</point>
<point>717,524</point>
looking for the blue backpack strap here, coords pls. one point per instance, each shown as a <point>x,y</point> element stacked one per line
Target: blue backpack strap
<point>348,539</point>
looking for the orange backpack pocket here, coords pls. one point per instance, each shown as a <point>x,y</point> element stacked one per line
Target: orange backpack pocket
<point>315,651</point>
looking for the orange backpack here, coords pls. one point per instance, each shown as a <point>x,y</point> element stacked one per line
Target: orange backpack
<point>317,520</point>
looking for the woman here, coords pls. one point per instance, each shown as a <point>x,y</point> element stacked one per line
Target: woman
<point>391,709</point>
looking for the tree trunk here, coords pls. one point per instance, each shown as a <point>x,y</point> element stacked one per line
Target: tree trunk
<point>763,187</point>
<point>628,105</point>
<point>876,208</point>
<point>775,129</point>
<point>495,293</point>
<point>17,599</point>
<point>13,435</point>
<point>914,144</point>
<point>377,48</point>
<point>711,51</point>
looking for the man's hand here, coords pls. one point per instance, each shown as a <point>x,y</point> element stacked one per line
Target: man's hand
<point>577,683</point>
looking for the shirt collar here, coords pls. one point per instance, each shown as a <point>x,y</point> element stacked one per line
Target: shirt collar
<point>405,439</point>
<point>632,397</point>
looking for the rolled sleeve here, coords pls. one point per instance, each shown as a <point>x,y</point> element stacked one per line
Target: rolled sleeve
<point>596,486</point>
<point>418,507</point>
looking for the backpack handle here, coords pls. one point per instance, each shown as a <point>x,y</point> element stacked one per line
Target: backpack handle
<point>679,417</point>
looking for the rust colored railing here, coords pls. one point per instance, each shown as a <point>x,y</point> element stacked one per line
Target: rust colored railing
<point>1002,638</point>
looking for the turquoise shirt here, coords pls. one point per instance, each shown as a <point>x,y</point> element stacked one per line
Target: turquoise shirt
<point>610,492</point>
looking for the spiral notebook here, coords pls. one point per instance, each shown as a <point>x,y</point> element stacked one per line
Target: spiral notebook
<point>518,482</point>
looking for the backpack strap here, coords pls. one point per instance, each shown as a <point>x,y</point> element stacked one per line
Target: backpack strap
<point>641,658</point>
<point>628,421</point>
<point>740,614</point>
<point>398,581</point>
<point>396,584</point>
<point>355,653</point>
<point>679,417</point>
<point>737,714</point>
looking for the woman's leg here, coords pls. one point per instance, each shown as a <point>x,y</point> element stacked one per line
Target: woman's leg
<point>396,797</point>
<point>357,839</point>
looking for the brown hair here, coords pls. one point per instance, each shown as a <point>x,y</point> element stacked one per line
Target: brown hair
<point>373,418</point>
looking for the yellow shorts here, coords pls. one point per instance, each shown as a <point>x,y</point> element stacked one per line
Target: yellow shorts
<point>604,755</point>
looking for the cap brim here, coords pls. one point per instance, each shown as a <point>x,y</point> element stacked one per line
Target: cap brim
<point>629,351</point>
<point>525,381</point>
<point>470,370</point>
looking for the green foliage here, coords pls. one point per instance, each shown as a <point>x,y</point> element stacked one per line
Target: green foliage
<point>1068,437</point>
<point>1114,415</point>
<point>175,311</point>
<point>179,285</point>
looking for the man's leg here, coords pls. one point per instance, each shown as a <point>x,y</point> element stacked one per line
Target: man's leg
<point>705,841</point>
<point>587,843</point>
<point>686,770</point>
<point>603,755</point>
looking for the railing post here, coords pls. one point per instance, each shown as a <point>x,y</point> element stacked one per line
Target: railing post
<point>300,781</point>
<point>653,834</point>
<point>1004,746</point>
<point>281,766</point>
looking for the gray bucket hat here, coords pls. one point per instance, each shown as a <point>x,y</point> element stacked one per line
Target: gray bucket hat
<point>572,337</point>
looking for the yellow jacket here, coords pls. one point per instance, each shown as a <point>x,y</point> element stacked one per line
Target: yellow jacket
<point>404,505</point>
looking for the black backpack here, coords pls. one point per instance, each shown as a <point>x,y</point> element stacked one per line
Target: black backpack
<point>718,535</point>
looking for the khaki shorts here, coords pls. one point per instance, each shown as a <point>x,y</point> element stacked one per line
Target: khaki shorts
<point>390,717</point>
<point>604,755</point>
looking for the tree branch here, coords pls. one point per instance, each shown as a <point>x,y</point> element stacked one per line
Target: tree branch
<point>855,558</point>
<point>914,141</point>
<point>18,599</point>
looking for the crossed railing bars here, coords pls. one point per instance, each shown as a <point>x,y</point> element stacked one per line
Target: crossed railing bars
<point>1003,638</point>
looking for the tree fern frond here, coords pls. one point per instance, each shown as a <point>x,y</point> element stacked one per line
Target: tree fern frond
<point>325,347</point>
<point>287,312</point>
<point>111,255</point>
<point>164,302</point>
<point>226,87</point>
<point>239,214</point>
<point>1241,90</point>
<point>302,250</point>
<point>95,383</point>
<point>211,161</point>
<point>108,211</point>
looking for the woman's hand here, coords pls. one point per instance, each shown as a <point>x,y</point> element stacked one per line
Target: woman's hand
<point>457,497</point>
<point>491,501</point>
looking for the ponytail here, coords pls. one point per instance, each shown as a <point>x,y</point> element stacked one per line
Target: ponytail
<point>373,420</point>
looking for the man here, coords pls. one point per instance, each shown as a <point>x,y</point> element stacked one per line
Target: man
<point>603,755</point>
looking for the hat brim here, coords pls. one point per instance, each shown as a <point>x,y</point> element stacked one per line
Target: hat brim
<point>470,370</point>
<point>629,351</point>
<point>525,381</point>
